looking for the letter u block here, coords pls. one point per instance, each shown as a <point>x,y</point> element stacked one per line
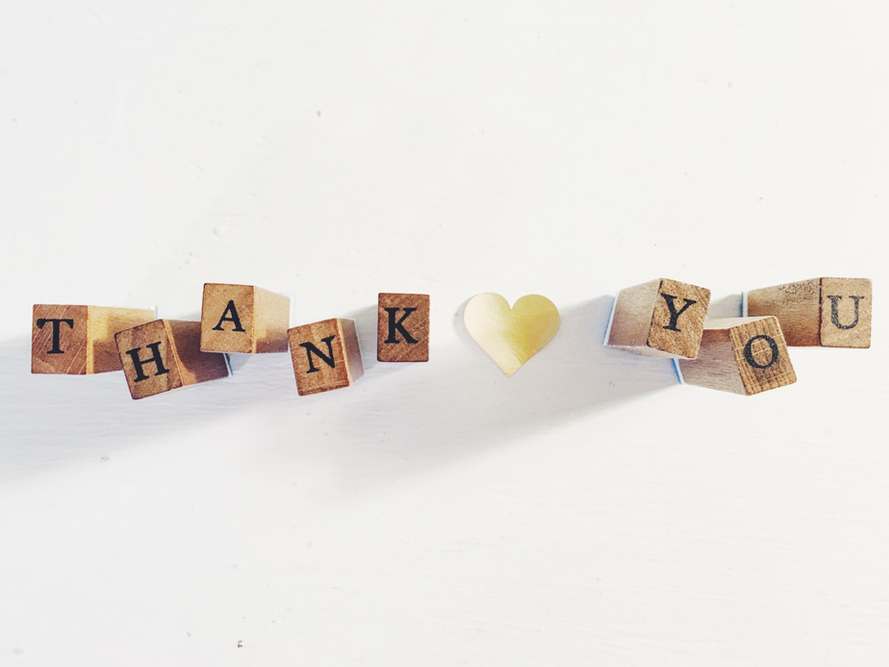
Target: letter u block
<point>325,355</point>
<point>79,340</point>
<point>830,312</point>
<point>660,318</point>
<point>243,318</point>
<point>166,354</point>
<point>403,327</point>
<point>743,355</point>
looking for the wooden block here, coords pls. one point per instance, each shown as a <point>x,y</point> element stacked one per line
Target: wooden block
<point>744,355</point>
<point>166,354</point>
<point>325,355</point>
<point>243,318</point>
<point>403,327</point>
<point>79,340</point>
<point>831,312</point>
<point>660,318</point>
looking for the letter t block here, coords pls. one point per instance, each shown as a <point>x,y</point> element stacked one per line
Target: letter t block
<point>403,327</point>
<point>79,340</point>
<point>660,318</point>
<point>166,354</point>
<point>325,355</point>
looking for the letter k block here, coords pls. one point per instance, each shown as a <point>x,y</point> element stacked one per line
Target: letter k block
<point>403,327</point>
<point>660,318</point>
<point>325,355</point>
<point>166,354</point>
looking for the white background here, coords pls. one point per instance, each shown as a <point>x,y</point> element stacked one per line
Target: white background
<point>586,511</point>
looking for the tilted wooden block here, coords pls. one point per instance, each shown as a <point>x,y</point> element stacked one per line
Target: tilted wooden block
<point>831,312</point>
<point>744,355</point>
<point>325,355</point>
<point>79,340</point>
<point>243,318</point>
<point>403,327</point>
<point>164,355</point>
<point>660,318</point>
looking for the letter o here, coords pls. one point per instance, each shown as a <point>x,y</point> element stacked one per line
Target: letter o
<point>748,351</point>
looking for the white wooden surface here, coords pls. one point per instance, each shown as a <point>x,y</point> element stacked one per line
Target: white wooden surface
<point>587,510</point>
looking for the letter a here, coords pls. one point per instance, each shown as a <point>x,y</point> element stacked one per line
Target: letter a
<point>230,308</point>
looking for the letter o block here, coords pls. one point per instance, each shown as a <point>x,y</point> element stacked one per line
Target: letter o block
<point>660,318</point>
<point>830,312</point>
<point>743,355</point>
<point>166,354</point>
<point>325,355</point>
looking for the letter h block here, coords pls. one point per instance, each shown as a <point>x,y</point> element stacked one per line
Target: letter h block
<point>325,355</point>
<point>743,355</point>
<point>79,340</point>
<point>166,354</point>
<point>830,312</point>
<point>660,318</point>
<point>243,318</point>
<point>403,327</point>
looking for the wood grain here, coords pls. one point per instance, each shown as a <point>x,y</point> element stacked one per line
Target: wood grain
<point>743,355</point>
<point>79,340</point>
<point>402,327</point>
<point>660,318</point>
<point>830,312</point>
<point>326,355</point>
<point>169,357</point>
<point>243,318</point>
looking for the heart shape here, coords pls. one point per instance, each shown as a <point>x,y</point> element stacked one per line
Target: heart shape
<point>511,336</point>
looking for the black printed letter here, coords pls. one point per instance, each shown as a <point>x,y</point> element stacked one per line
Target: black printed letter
<point>230,308</point>
<point>56,328</point>
<point>835,311</point>
<point>155,359</point>
<point>393,325</point>
<point>327,359</point>
<point>748,351</point>
<point>674,314</point>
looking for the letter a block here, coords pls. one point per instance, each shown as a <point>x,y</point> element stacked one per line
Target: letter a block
<point>325,356</point>
<point>403,327</point>
<point>661,318</point>
<point>79,340</point>
<point>831,312</point>
<point>164,355</point>
<point>743,355</point>
<point>243,318</point>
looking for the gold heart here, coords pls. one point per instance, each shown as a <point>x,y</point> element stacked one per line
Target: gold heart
<point>511,336</point>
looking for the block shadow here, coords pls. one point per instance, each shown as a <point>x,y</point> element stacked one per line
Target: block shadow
<point>398,420</point>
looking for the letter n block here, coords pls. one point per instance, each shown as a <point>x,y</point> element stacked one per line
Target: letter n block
<point>403,327</point>
<point>166,354</point>
<point>660,318</point>
<point>831,312</point>
<point>243,318</point>
<point>743,355</point>
<point>79,340</point>
<point>325,355</point>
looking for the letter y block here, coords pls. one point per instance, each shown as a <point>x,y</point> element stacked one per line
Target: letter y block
<point>166,354</point>
<point>660,318</point>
